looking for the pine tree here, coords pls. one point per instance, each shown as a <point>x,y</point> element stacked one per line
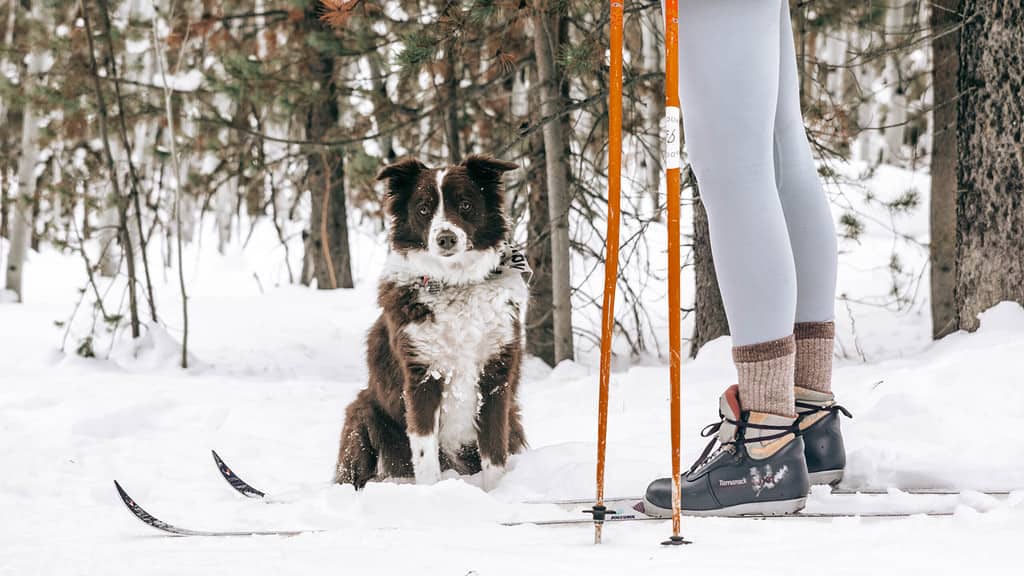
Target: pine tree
<point>990,136</point>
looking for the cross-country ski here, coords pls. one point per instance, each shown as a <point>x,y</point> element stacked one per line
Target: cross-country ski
<point>624,510</point>
<point>247,490</point>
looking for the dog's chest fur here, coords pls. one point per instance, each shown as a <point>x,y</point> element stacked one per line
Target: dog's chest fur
<point>470,324</point>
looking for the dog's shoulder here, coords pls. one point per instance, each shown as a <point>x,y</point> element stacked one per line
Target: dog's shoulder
<point>401,302</point>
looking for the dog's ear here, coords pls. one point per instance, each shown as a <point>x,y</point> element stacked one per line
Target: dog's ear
<point>484,168</point>
<point>401,174</point>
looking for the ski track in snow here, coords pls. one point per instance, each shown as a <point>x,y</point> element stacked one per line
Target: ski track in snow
<point>274,372</point>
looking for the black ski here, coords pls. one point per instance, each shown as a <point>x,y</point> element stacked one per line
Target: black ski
<point>168,528</point>
<point>243,487</point>
<point>626,504</point>
<point>247,490</point>
<point>641,518</point>
<point>159,524</point>
<point>835,491</point>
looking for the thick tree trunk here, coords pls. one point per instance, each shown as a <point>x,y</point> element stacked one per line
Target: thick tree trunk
<point>540,329</point>
<point>382,106</point>
<point>326,177</point>
<point>709,313</point>
<point>945,59</point>
<point>325,173</point>
<point>990,128</point>
<point>545,37</point>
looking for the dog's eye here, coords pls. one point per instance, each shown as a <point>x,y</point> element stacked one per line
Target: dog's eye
<point>424,210</point>
<point>465,206</point>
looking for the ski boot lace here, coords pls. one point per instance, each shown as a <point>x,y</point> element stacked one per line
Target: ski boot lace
<point>806,410</point>
<point>740,438</point>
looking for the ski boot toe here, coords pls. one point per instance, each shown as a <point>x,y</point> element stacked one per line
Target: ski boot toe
<point>759,468</point>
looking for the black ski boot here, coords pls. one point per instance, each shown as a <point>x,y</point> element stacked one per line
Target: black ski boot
<point>759,468</point>
<point>818,418</point>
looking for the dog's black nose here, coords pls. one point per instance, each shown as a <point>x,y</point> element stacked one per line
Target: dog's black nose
<point>447,240</point>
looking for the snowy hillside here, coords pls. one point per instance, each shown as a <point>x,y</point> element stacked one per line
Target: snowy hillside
<point>276,366</point>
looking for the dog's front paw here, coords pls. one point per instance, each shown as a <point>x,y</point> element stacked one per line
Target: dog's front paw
<point>427,471</point>
<point>426,462</point>
<point>490,474</point>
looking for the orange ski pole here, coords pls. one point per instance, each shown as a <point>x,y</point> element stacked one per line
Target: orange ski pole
<point>611,262</point>
<point>671,137</point>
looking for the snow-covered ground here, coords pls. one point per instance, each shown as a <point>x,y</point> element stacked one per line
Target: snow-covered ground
<point>276,365</point>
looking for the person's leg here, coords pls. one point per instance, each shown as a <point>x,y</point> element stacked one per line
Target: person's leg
<point>809,221</point>
<point>813,239</point>
<point>729,84</point>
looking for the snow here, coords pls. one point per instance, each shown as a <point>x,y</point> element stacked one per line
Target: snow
<point>188,81</point>
<point>275,366</point>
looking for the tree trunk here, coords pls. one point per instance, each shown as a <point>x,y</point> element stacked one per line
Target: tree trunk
<point>545,39</point>
<point>382,106</point>
<point>654,111</point>
<point>800,14</point>
<point>325,173</point>
<point>990,123</point>
<point>306,275</point>
<point>896,117</point>
<point>540,329</point>
<point>945,59</point>
<point>451,97</point>
<point>326,176</point>
<point>4,212</point>
<point>21,232</point>
<point>5,200</point>
<point>110,252</point>
<point>709,312</point>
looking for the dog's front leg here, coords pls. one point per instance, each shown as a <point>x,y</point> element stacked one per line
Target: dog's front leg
<point>496,391</point>
<point>422,413</point>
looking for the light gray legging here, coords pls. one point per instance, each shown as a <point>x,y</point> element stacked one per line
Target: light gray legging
<point>772,234</point>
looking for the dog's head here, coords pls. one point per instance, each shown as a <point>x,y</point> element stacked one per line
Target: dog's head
<point>446,214</point>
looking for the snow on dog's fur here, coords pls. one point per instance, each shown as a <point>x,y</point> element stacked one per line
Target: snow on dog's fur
<point>444,355</point>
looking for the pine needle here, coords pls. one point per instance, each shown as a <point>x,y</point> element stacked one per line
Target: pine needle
<point>336,13</point>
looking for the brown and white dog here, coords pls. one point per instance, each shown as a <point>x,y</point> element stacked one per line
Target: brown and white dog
<point>444,356</point>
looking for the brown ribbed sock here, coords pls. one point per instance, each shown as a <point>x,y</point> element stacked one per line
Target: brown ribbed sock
<point>765,373</point>
<point>814,355</point>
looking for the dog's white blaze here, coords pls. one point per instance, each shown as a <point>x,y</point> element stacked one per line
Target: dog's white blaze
<point>439,217</point>
<point>470,324</point>
<point>426,462</point>
<point>440,222</point>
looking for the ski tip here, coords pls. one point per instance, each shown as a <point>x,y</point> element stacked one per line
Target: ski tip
<point>128,501</point>
<point>120,492</point>
<point>132,506</point>
<point>241,486</point>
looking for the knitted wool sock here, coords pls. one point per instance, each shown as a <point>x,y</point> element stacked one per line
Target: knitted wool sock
<point>765,373</point>
<point>814,355</point>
